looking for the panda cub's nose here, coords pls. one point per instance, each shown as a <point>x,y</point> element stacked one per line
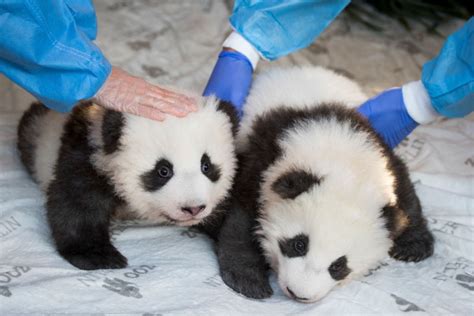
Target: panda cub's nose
<point>193,210</point>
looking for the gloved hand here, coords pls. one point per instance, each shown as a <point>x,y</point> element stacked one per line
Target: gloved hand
<point>126,93</point>
<point>231,78</point>
<point>388,115</point>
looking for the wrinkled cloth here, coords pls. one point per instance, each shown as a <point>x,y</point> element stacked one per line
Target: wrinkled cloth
<point>47,48</point>
<point>174,270</point>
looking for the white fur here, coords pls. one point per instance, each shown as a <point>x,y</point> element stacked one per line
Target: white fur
<point>297,88</point>
<point>48,132</point>
<point>182,141</point>
<point>341,215</point>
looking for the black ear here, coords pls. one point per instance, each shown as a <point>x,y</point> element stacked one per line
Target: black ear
<point>293,183</point>
<point>112,125</point>
<point>231,112</point>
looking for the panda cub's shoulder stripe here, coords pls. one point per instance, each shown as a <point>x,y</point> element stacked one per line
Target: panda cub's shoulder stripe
<point>231,112</point>
<point>112,125</point>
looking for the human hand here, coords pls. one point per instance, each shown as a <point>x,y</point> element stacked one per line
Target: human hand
<point>388,115</point>
<point>126,93</point>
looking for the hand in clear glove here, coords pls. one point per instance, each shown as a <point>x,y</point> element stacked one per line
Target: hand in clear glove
<point>126,93</point>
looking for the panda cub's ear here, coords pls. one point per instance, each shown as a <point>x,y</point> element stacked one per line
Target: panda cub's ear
<point>293,183</point>
<point>112,125</point>
<point>231,112</point>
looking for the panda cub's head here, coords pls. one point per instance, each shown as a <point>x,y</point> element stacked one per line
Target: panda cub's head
<point>175,171</point>
<point>321,203</point>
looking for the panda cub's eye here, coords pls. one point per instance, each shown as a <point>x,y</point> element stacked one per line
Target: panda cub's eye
<point>164,172</point>
<point>299,246</point>
<point>210,170</point>
<point>157,177</point>
<point>338,268</point>
<point>294,247</point>
<point>205,167</point>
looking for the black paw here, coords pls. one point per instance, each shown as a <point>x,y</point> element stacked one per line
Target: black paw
<point>107,257</point>
<point>413,246</point>
<point>249,281</point>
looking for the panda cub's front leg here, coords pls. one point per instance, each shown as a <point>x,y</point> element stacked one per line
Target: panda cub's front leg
<point>241,263</point>
<point>80,203</point>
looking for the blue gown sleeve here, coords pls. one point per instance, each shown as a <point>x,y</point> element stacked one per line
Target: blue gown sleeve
<point>46,48</point>
<point>277,28</point>
<point>449,77</point>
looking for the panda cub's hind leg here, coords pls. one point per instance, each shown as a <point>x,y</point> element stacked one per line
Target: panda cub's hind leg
<point>79,219</point>
<point>79,216</point>
<point>81,201</point>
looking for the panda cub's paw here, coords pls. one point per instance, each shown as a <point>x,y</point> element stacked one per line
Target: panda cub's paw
<point>413,245</point>
<point>107,257</point>
<point>250,281</point>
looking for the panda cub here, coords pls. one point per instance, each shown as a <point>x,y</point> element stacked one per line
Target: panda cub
<point>318,196</point>
<point>96,164</point>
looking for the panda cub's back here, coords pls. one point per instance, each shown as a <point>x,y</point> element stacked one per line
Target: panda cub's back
<point>297,88</point>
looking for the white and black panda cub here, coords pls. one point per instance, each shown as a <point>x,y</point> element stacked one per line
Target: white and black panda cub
<point>96,164</point>
<point>318,196</point>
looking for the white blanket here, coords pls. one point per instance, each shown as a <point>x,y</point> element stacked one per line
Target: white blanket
<point>174,270</point>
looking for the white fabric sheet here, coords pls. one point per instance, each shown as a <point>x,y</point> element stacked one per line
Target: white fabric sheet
<point>174,270</point>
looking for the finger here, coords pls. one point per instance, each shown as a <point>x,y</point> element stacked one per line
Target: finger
<point>164,106</point>
<point>147,112</point>
<point>174,98</point>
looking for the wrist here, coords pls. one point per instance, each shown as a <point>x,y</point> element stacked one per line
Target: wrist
<point>238,43</point>
<point>418,103</point>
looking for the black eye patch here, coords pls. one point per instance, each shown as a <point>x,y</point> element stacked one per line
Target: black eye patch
<point>293,183</point>
<point>338,269</point>
<point>294,247</point>
<point>209,169</point>
<point>156,178</point>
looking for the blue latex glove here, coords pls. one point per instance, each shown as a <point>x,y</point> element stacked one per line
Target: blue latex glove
<point>231,78</point>
<point>46,48</point>
<point>388,115</point>
<point>277,28</point>
<point>449,78</point>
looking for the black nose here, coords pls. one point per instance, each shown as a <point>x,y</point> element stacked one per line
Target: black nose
<point>293,295</point>
<point>193,210</point>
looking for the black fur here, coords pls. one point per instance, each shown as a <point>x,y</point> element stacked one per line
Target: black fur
<point>293,183</point>
<point>210,170</point>
<point>112,125</point>
<point>241,264</point>
<point>80,202</point>
<point>26,134</point>
<point>339,269</point>
<point>155,179</point>
<point>413,243</point>
<point>294,247</point>
<point>230,111</point>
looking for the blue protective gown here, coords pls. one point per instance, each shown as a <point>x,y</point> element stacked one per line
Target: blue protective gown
<point>277,28</point>
<point>449,77</point>
<point>46,47</point>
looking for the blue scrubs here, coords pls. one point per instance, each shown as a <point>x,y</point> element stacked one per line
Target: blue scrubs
<point>47,48</point>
